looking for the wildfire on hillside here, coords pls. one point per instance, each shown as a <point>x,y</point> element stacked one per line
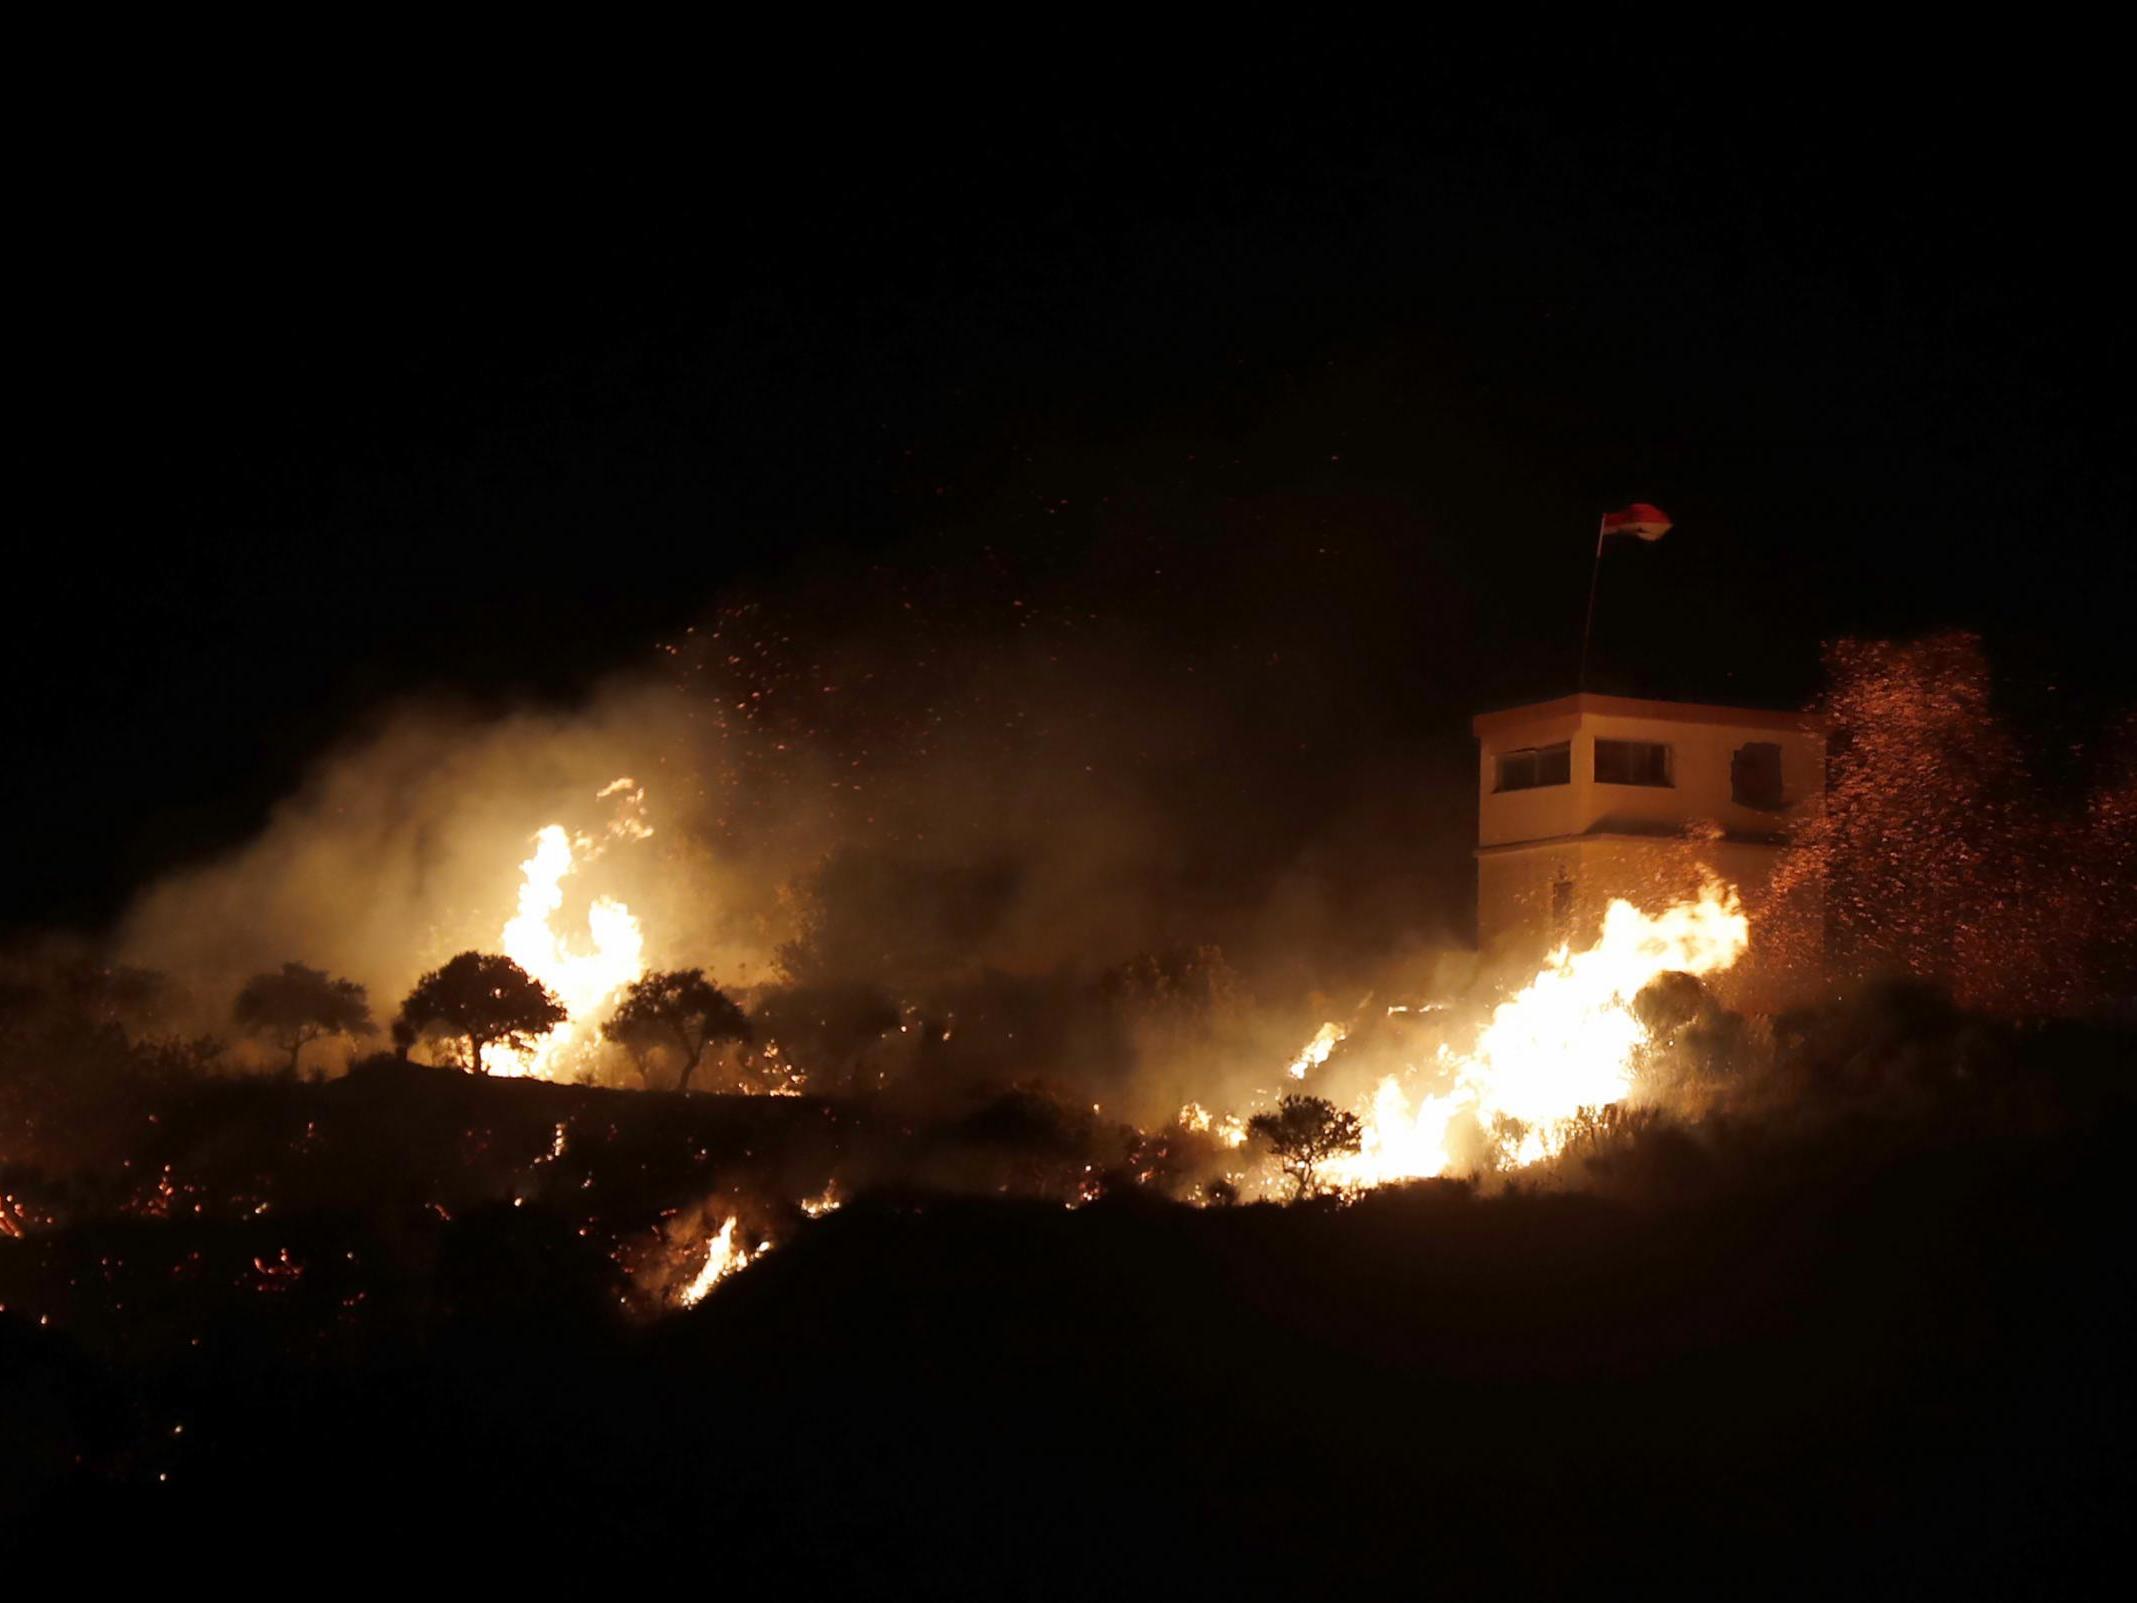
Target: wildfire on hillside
<point>1564,1044</point>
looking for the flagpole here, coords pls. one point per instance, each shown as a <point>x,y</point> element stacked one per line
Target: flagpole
<point>1595,574</point>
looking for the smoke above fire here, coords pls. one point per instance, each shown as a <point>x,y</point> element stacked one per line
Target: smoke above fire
<point>977,827</point>
<point>1053,840</point>
<point>443,830</point>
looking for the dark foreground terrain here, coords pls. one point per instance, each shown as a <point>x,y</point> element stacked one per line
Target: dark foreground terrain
<point>1885,1349</point>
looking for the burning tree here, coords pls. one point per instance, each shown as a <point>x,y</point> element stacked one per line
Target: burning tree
<point>300,1005</point>
<point>1305,1132</point>
<point>678,1008</point>
<point>479,997</point>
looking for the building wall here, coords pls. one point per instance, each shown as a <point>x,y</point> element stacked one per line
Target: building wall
<point>1702,750</point>
<point>1552,858</point>
<point>1515,914</point>
<point>1513,815</point>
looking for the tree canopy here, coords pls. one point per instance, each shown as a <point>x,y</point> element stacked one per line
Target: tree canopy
<point>827,1030</point>
<point>482,998</point>
<point>297,1005</point>
<point>1304,1132</point>
<point>679,1009</point>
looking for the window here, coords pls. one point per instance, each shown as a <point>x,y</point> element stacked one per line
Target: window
<point>1632,762</point>
<point>1755,776</point>
<point>1534,766</point>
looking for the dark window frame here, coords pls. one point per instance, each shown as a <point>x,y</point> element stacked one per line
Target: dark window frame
<point>1758,776</point>
<point>1533,768</point>
<point>1646,764</point>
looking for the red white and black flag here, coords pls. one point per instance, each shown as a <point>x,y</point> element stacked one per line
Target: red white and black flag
<point>1648,522</point>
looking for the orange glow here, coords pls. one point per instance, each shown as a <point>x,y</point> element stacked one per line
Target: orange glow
<point>722,1258</point>
<point>1231,1129</point>
<point>1315,1052</point>
<point>1565,1042</point>
<point>584,977</point>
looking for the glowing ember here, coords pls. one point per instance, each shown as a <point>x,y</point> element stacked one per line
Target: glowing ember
<point>582,979</point>
<point>1316,1050</point>
<point>1564,1043</point>
<point>829,1202</point>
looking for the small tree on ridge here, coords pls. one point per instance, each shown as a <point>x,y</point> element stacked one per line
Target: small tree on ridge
<point>1304,1132</point>
<point>481,998</point>
<point>678,1008</point>
<point>298,1005</point>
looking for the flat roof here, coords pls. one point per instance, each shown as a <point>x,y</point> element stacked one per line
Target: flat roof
<point>1673,712</point>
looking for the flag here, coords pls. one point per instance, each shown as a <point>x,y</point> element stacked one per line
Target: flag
<point>1648,522</point>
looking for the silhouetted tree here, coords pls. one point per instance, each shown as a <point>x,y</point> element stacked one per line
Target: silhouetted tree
<point>300,1005</point>
<point>825,1031</point>
<point>1304,1132</point>
<point>481,998</point>
<point>679,1008</point>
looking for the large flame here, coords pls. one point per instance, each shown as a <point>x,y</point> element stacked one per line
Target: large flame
<point>583,978</point>
<point>1566,1042</point>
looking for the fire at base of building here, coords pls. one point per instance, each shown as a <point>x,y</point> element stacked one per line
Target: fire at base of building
<point>1590,799</point>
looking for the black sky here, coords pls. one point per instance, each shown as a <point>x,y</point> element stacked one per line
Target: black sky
<point>337,402</point>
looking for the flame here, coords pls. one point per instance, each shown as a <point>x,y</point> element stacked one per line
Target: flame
<point>1231,1129</point>
<point>722,1258</point>
<point>1401,1141</point>
<point>582,979</point>
<point>1565,1042</point>
<point>1315,1052</point>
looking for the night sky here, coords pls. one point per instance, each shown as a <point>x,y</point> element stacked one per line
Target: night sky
<point>334,403</point>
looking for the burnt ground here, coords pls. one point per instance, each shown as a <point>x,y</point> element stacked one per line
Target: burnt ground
<point>1860,1353</point>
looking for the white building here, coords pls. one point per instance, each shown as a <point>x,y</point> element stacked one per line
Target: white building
<point>1590,798</point>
